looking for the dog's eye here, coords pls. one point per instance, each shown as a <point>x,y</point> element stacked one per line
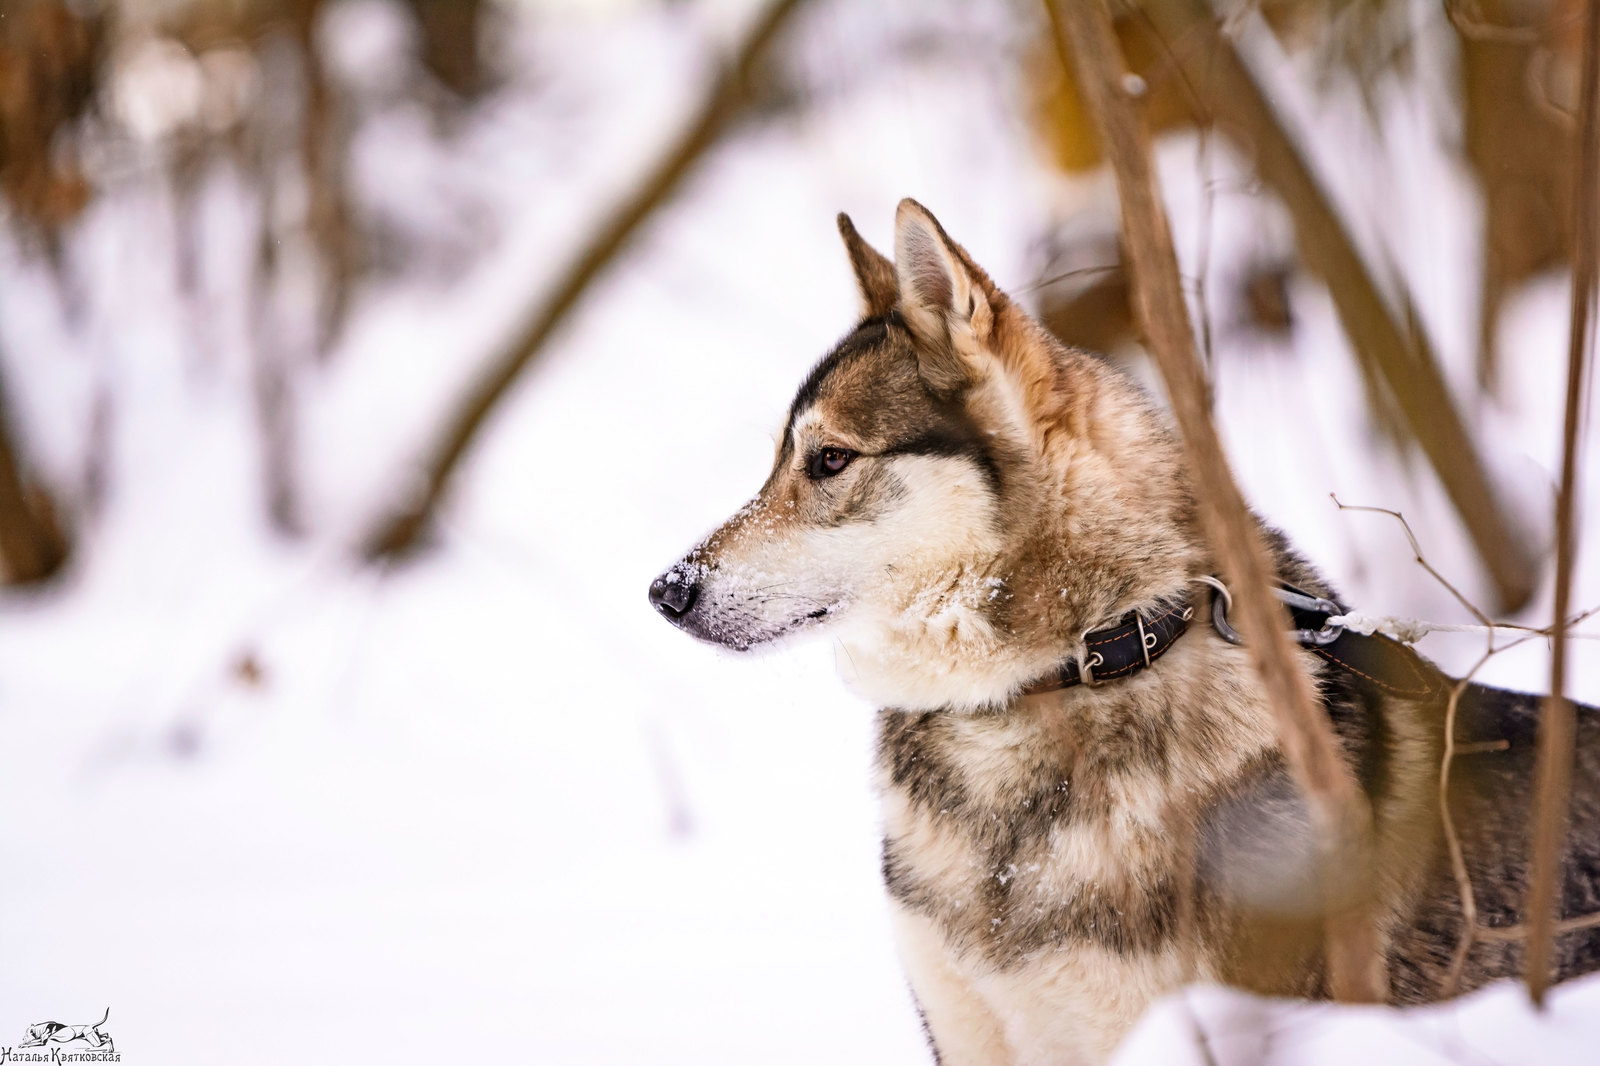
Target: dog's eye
<point>829,461</point>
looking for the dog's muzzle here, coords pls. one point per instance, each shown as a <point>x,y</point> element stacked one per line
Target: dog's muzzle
<point>673,594</point>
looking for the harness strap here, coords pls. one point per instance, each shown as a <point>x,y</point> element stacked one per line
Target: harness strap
<point>1375,659</point>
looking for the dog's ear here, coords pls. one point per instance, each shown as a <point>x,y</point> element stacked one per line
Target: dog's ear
<point>874,273</point>
<point>946,301</point>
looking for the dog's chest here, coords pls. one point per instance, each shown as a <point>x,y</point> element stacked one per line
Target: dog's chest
<point>1017,840</point>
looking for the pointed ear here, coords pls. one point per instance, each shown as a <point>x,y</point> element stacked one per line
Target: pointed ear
<point>874,273</point>
<point>945,306</point>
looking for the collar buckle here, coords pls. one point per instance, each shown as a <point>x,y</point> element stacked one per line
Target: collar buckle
<point>1120,651</point>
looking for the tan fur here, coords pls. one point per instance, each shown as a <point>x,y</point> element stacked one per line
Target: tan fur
<point>1056,861</point>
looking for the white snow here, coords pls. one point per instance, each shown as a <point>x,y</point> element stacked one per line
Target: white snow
<point>1211,1026</point>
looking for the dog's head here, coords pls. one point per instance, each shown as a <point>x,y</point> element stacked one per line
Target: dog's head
<point>40,1034</point>
<point>913,471</point>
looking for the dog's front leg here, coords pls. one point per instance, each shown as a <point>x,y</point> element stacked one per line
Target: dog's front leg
<point>961,1027</point>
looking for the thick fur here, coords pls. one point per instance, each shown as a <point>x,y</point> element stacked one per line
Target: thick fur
<point>1057,861</point>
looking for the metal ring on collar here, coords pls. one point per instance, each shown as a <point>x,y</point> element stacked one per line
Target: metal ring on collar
<point>1223,602</point>
<point>1087,664</point>
<point>1220,603</point>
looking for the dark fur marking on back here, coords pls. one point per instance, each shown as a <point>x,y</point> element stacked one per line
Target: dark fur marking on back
<point>1491,798</point>
<point>1356,712</point>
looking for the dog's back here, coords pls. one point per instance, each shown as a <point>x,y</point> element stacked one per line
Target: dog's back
<point>1491,809</point>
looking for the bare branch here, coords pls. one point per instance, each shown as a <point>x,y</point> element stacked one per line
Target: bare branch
<point>1401,358</point>
<point>397,533</point>
<point>1561,928</point>
<point>1470,23</point>
<point>1557,725</point>
<point>33,546</point>
<point>1452,840</point>
<point>1340,811</point>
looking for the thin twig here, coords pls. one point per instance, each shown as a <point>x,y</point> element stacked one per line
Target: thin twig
<point>1557,725</point>
<point>1452,839</point>
<point>1191,285</point>
<point>398,533</point>
<point>1416,551</point>
<point>1084,32</point>
<point>1068,275</point>
<point>1561,928</point>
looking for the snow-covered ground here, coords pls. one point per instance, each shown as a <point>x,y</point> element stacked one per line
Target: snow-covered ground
<point>271,807</point>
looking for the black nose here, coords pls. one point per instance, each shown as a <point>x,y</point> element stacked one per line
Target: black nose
<point>673,593</point>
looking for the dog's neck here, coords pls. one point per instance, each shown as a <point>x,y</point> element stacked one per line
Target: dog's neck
<point>1101,523</point>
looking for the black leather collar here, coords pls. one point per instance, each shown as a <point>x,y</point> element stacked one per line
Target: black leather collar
<point>1121,650</point>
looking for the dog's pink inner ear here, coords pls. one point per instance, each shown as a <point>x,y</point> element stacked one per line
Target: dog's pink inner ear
<point>936,288</point>
<point>926,270</point>
<point>938,298</point>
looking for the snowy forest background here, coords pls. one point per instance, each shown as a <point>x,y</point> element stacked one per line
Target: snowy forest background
<point>362,360</point>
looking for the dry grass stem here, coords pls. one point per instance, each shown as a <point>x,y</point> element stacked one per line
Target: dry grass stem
<point>1557,725</point>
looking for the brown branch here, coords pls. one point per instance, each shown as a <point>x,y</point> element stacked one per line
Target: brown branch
<point>1470,23</point>
<point>1338,808</point>
<point>397,533</point>
<point>33,546</point>
<point>1402,358</point>
<point>1557,727</point>
<point>1452,839</point>
<point>1561,928</point>
<point>450,32</point>
<point>323,147</point>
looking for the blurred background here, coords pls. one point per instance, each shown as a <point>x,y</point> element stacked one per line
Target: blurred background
<point>362,360</point>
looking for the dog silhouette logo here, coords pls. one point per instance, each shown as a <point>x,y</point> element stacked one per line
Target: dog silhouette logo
<point>80,1037</point>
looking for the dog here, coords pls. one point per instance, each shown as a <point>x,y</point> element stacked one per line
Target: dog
<point>56,1033</point>
<point>1085,801</point>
